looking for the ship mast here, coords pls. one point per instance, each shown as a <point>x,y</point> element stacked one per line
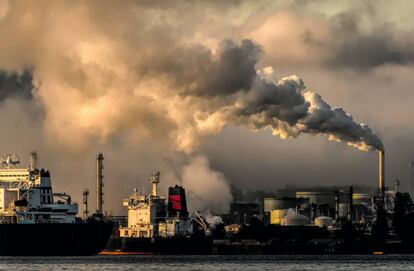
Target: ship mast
<point>155,180</point>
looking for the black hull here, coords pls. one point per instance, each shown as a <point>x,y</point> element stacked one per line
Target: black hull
<point>81,239</point>
<point>172,246</point>
<point>199,246</point>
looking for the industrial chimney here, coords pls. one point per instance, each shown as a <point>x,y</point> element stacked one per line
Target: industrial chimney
<point>99,183</point>
<point>381,184</point>
<point>85,203</point>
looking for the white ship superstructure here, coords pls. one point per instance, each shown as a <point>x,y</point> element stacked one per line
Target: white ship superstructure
<point>151,216</point>
<point>26,195</point>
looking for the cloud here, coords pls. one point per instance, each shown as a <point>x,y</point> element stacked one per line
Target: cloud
<point>16,85</point>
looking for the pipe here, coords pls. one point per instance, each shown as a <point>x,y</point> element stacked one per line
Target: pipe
<point>85,203</point>
<point>99,183</point>
<point>381,184</point>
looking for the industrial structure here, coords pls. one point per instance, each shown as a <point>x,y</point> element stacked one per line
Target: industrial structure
<point>99,183</point>
<point>85,195</point>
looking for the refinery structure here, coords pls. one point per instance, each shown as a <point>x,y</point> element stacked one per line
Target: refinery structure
<point>327,221</point>
<point>327,207</point>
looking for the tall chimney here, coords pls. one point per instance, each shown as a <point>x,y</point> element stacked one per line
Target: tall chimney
<point>85,203</point>
<point>381,184</point>
<point>99,183</point>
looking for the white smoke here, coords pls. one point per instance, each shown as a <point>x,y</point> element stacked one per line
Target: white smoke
<point>212,220</point>
<point>206,189</point>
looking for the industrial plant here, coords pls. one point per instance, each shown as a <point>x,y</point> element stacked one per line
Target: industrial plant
<point>328,221</point>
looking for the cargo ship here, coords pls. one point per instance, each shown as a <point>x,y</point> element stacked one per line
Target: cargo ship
<point>160,225</point>
<point>36,221</point>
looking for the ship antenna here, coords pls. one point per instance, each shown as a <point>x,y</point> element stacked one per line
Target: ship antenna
<point>155,180</point>
<point>33,160</point>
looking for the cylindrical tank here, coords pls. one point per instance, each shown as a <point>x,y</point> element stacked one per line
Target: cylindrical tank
<point>279,204</point>
<point>324,221</point>
<point>277,215</point>
<point>294,219</point>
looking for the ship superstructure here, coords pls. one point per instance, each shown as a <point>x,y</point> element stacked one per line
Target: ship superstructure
<point>27,197</point>
<point>152,216</point>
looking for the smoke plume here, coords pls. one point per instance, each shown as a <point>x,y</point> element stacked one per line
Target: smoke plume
<point>137,73</point>
<point>207,190</point>
<point>96,84</point>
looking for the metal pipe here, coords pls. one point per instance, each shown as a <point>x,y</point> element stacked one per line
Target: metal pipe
<point>85,203</point>
<point>99,183</point>
<point>381,184</point>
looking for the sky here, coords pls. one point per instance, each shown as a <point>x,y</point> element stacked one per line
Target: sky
<point>257,94</point>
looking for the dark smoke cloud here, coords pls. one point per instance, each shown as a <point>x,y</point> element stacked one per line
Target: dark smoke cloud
<point>14,85</point>
<point>354,48</point>
<point>198,72</point>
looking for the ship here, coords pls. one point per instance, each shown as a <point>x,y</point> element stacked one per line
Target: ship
<point>37,221</point>
<point>160,225</point>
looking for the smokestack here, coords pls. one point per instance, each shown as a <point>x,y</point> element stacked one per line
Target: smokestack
<point>85,203</point>
<point>33,160</point>
<point>99,183</point>
<point>381,184</point>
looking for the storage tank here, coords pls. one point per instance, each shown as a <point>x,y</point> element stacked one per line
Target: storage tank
<point>277,215</point>
<point>294,219</point>
<point>324,221</point>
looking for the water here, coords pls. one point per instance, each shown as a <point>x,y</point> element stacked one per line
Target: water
<point>213,263</point>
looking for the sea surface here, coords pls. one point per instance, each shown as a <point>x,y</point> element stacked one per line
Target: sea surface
<point>214,263</point>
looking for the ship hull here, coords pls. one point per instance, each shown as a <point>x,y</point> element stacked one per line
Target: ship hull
<point>173,246</point>
<point>53,239</point>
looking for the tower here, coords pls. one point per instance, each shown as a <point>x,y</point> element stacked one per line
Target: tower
<point>85,203</point>
<point>99,182</point>
<point>155,180</point>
